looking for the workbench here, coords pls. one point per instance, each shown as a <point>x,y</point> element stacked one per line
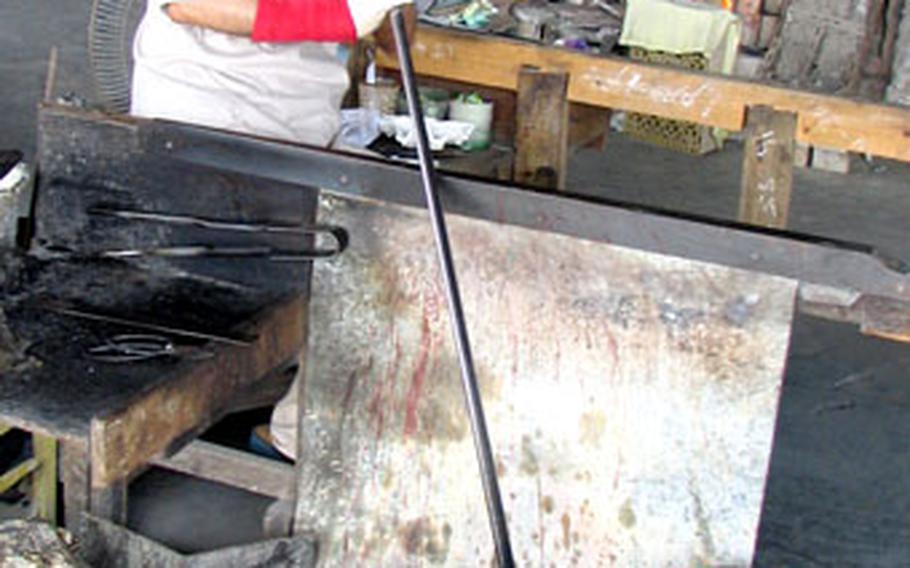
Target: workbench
<point>90,159</point>
<point>550,99</point>
<point>113,419</point>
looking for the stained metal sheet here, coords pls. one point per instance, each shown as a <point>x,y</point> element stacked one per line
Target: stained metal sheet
<point>631,399</point>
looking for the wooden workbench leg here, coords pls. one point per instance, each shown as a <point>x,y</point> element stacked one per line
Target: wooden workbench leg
<point>110,502</point>
<point>44,482</point>
<point>541,129</point>
<point>79,496</point>
<point>74,473</point>
<point>767,180</point>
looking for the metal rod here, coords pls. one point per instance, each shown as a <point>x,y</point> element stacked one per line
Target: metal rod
<point>67,311</point>
<point>203,223</point>
<point>473,400</point>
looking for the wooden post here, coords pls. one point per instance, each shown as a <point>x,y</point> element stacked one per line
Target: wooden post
<point>541,129</point>
<point>44,492</point>
<point>81,495</point>
<point>74,474</point>
<point>767,180</point>
<point>110,502</point>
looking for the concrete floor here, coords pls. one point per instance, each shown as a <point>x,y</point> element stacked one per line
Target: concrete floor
<point>837,493</point>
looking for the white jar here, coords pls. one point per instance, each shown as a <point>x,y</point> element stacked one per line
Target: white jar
<point>480,115</point>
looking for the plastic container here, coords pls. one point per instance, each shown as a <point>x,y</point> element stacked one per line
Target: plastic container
<point>381,96</point>
<point>478,113</point>
<point>434,101</point>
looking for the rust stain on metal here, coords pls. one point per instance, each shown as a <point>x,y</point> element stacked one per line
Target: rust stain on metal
<point>420,373</point>
<point>627,515</point>
<point>422,539</point>
<point>566,523</point>
<point>572,340</point>
<point>529,464</point>
<point>547,504</point>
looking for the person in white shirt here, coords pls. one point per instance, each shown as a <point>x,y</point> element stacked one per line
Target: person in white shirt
<point>264,67</point>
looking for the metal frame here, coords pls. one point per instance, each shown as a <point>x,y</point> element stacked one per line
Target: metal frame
<point>854,271</point>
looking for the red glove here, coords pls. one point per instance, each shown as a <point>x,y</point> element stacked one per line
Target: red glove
<point>319,20</point>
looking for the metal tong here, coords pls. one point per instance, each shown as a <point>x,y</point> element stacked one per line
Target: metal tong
<point>138,348</point>
<point>338,235</point>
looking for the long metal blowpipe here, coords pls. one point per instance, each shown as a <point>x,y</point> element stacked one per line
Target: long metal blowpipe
<point>473,401</point>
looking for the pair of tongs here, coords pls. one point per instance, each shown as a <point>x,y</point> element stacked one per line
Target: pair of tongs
<point>338,236</point>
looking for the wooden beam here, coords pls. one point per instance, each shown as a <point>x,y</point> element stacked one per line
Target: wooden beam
<point>110,502</point>
<point>74,473</point>
<point>767,178</point>
<point>542,129</point>
<point>44,481</point>
<point>228,466</point>
<point>125,441</point>
<point>14,476</point>
<point>621,84</point>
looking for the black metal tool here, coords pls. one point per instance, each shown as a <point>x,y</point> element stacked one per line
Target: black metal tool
<point>209,251</point>
<point>338,236</point>
<point>473,400</point>
<point>138,348</point>
<point>179,332</point>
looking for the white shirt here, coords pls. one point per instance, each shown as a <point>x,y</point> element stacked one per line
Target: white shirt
<point>289,91</point>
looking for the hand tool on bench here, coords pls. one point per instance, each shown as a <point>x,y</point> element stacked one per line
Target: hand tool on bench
<point>473,400</point>
<point>338,236</point>
<point>77,313</point>
<point>141,347</point>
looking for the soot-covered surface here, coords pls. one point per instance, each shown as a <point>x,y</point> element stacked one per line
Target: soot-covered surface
<point>47,379</point>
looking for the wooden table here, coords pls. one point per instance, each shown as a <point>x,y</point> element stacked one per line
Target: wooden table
<point>114,419</point>
<point>551,85</point>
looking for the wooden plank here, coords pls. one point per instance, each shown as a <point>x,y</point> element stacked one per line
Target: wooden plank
<point>542,129</point>
<point>126,440</point>
<point>74,474</point>
<point>44,482</point>
<point>43,469</point>
<point>228,466</point>
<point>110,502</point>
<point>14,476</point>
<point>621,84</point>
<point>767,179</point>
<point>589,126</point>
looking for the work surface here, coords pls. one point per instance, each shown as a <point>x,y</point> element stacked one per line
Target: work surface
<point>49,382</point>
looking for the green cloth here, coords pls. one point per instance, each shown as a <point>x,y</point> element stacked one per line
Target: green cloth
<point>683,27</point>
